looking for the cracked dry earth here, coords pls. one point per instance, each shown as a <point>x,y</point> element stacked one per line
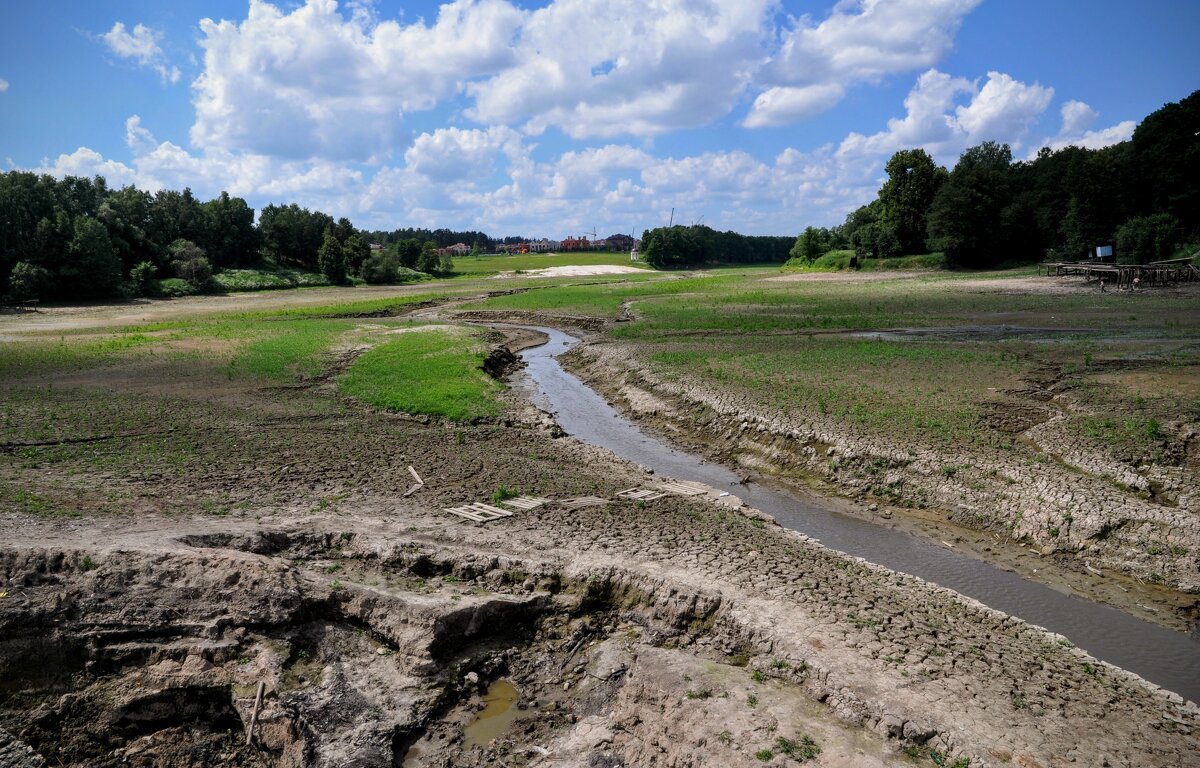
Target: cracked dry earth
<point>278,549</point>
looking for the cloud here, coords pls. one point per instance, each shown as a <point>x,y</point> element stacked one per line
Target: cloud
<point>1077,121</point>
<point>3,85</point>
<point>142,47</point>
<point>788,104</point>
<point>860,41</point>
<point>1003,110</point>
<point>453,154</point>
<point>312,83</point>
<point>599,68</point>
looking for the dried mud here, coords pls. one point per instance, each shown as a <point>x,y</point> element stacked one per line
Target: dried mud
<point>167,549</point>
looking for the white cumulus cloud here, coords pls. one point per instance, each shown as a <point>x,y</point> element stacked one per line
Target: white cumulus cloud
<point>860,41</point>
<point>610,67</point>
<point>141,45</point>
<point>1077,121</point>
<point>312,83</point>
<point>3,85</point>
<point>1002,110</point>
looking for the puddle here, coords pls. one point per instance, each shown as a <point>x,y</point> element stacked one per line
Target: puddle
<point>493,720</point>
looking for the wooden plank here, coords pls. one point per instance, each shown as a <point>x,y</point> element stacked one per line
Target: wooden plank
<point>583,501</point>
<point>479,512</point>
<point>683,489</point>
<point>640,494</point>
<point>526,502</point>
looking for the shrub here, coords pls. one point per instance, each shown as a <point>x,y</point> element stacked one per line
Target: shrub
<point>172,288</point>
<point>1147,238</point>
<point>141,278</point>
<point>28,281</point>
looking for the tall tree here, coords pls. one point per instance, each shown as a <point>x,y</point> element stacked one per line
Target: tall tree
<point>93,270</point>
<point>905,198</point>
<point>967,219</point>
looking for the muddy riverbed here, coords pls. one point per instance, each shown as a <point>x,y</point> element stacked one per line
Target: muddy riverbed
<point>217,535</point>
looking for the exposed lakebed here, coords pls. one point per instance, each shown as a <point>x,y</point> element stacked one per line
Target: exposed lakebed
<point>1167,658</point>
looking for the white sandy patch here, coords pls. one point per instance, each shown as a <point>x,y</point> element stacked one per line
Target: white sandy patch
<point>575,271</point>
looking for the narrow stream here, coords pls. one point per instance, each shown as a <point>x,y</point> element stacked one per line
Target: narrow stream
<point>1170,659</point>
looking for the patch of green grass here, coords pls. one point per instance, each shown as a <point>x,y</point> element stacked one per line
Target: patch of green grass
<point>699,693</point>
<point>435,372</point>
<point>490,264</point>
<point>764,755</point>
<point>285,349</point>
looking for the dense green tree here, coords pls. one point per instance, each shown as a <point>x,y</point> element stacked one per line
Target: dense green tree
<point>428,261</point>
<point>29,281</point>
<point>331,259</point>
<point>92,270</point>
<point>1165,163</point>
<point>1147,238</point>
<point>231,239</point>
<point>356,251</point>
<point>190,262</point>
<point>967,219</point>
<point>905,198</point>
<point>812,243</point>
<point>408,251</point>
<point>292,235</point>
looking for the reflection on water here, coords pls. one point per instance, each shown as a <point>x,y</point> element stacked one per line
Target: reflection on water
<point>1170,659</point>
<point>499,712</point>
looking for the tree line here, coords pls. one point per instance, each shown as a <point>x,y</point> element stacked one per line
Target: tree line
<point>698,245</point>
<point>1141,195</point>
<point>76,239</point>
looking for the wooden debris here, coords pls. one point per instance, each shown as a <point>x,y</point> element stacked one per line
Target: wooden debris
<point>254,715</point>
<point>479,512</point>
<point>419,484</point>
<point>583,501</point>
<point>683,488</point>
<point>526,503</point>
<point>640,494</point>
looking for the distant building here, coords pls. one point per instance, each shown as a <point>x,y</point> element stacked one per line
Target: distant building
<point>576,244</point>
<point>458,249</point>
<point>622,242</point>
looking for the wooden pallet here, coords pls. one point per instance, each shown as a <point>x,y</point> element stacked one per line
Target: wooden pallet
<point>479,512</point>
<point>526,503</point>
<point>583,501</point>
<point>683,488</point>
<point>641,494</point>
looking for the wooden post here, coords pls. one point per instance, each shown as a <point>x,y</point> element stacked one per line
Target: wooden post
<point>254,715</point>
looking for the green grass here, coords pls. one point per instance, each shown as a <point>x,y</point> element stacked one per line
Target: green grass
<point>41,356</point>
<point>283,350</point>
<point>435,372</point>
<point>495,263</point>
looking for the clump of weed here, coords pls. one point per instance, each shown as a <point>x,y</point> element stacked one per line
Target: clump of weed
<point>803,748</point>
<point>504,493</point>
<point>699,693</point>
<point>88,564</point>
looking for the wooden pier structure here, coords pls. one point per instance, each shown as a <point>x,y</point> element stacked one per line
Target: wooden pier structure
<point>1156,273</point>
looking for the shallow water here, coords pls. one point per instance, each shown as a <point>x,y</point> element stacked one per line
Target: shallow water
<point>493,720</point>
<point>1170,659</point>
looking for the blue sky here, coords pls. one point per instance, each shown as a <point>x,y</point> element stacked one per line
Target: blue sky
<point>553,118</point>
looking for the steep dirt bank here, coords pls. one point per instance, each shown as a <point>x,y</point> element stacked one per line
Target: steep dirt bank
<point>675,635</point>
<point>1109,543</point>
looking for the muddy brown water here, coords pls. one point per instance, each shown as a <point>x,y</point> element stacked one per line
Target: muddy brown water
<point>1165,657</point>
<point>498,713</point>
